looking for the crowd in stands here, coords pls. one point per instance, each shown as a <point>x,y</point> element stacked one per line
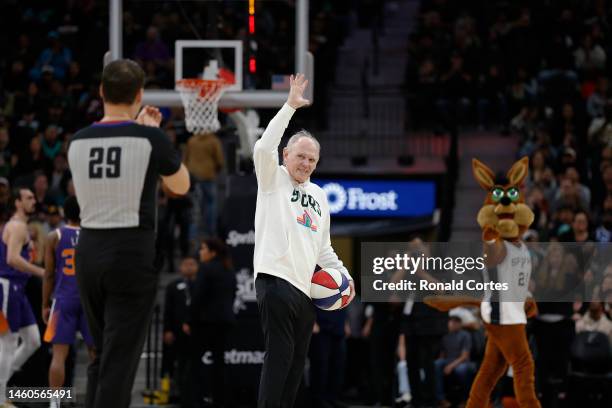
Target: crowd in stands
<point>540,71</point>
<point>537,69</point>
<point>51,71</point>
<point>495,62</point>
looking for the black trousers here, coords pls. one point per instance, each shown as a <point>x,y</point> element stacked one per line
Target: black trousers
<point>212,337</point>
<point>117,283</point>
<point>421,352</point>
<point>383,340</point>
<point>287,317</point>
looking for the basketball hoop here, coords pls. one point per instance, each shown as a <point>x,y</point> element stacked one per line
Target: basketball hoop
<point>200,99</point>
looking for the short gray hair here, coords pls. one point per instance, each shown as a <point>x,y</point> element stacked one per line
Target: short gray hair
<point>302,133</point>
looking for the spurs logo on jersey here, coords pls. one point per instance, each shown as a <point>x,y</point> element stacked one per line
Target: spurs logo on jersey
<point>306,200</point>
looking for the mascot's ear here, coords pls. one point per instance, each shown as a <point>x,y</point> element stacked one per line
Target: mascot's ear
<point>483,175</point>
<point>517,174</point>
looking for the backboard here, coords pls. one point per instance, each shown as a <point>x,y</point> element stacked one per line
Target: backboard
<point>261,42</point>
<point>193,56</point>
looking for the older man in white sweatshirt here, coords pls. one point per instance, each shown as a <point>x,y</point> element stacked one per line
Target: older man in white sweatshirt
<point>291,237</point>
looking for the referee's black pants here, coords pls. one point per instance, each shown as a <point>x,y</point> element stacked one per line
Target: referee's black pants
<point>117,283</point>
<point>287,317</point>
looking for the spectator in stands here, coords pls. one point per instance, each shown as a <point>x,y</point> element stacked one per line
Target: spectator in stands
<point>519,94</point>
<point>51,145</point>
<point>41,192</point>
<point>589,56</point>
<point>581,231</point>
<point>7,158</point>
<point>537,162</point>
<point>555,274</point>
<point>568,195</point>
<point>32,161</point>
<point>56,56</point>
<point>568,157</point>
<point>541,141</point>
<point>566,123</point>
<point>548,184</point>
<point>53,218</point>
<point>595,320</point>
<point>607,179</point>
<point>16,81</point>
<point>90,105</point>
<point>204,160</point>
<point>491,97</point>
<point>561,221</point>
<point>585,193</point>
<point>600,129</point>
<point>426,91</point>
<point>153,49</point>
<point>603,233</point>
<point>24,50</point>
<point>58,178</point>
<point>597,100</point>
<point>30,101</point>
<point>525,123</point>
<point>454,361</point>
<point>175,212</point>
<point>23,132</point>
<point>537,202</point>
<point>75,83</point>
<point>456,85</point>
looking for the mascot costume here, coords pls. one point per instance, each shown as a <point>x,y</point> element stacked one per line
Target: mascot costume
<point>503,218</point>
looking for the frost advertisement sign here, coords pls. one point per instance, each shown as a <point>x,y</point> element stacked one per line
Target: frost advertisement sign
<point>376,198</point>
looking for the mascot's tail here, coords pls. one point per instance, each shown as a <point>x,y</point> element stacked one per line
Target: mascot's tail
<point>446,303</point>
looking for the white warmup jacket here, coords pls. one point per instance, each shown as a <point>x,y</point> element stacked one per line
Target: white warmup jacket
<point>291,220</point>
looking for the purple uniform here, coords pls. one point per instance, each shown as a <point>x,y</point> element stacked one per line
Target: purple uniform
<point>66,313</point>
<point>16,311</point>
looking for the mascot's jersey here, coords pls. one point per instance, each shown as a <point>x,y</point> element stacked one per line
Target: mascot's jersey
<point>508,306</point>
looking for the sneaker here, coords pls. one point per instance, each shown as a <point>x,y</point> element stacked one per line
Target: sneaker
<point>405,397</point>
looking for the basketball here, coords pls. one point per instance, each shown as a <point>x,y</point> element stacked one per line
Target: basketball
<point>330,289</point>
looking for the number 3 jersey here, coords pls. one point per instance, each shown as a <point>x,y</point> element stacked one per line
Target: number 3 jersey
<point>115,168</point>
<point>508,306</point>
<point>65,278</point>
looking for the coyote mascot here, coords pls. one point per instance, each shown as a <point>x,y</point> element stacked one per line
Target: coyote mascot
<point>503,218</point>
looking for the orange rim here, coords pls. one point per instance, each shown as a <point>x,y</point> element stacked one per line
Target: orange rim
<point>204,86</point>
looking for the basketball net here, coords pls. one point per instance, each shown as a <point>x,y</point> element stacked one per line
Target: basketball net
<point>200,99</point>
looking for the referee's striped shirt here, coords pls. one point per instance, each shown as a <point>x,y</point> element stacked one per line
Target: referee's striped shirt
<point>115,167</point>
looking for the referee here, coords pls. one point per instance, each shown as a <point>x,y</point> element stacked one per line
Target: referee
<point>292,221</point>
<point>115,165</point>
